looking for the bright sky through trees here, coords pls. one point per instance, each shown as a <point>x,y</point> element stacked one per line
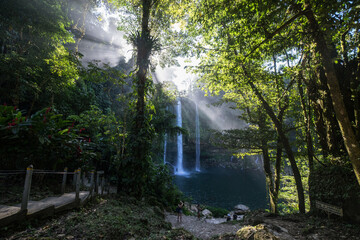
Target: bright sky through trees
<point>176,74</point>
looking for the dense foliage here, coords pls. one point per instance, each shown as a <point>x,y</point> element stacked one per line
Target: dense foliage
<point>59,111</point>
<point>291,67</point>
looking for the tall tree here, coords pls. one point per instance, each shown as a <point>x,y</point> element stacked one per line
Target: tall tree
<point>228,37</point>
<point>261,29</point>
<point>151,20</point>
<point>351,143</point>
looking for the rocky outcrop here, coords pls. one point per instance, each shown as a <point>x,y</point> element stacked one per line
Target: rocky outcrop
<point>206,213</point>
<point>241,209</point>
<point>258,232</point>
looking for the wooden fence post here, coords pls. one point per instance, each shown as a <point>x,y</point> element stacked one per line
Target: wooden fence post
<point>102,185</point>
<point>27,186</point>
<point>64,181</point>
<point>98,173</point>
<point>77,177</point>
<point>83,179</point>
<point>91,182</point>
<point>97,182</point>
<point>74,179</point>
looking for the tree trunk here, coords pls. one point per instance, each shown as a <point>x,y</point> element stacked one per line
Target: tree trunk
<point>140,136</point>
<point>314,97</point>
<point>277,172</point>
<point>351,144</point>
<point>356,93</point>
<point>269,178</point>
<point>333,137</point>
<point>279,150</point>
<point>286,145</point>
<point>272,184</point>
<point>142,62</point>
<point>309,144</point>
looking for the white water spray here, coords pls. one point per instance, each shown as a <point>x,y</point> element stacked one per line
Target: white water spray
<point>179,165</point>
<point>257,162</point>
<point>197,132</point>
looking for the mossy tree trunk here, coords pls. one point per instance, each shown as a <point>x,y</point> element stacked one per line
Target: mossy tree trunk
<point>285,142</point>
<point>272,179</point>
<point>138,164</point>
<point>309,144</point>
<point>350,141</point>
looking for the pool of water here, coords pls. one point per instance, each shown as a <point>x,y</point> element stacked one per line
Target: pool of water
<point>225,188</point>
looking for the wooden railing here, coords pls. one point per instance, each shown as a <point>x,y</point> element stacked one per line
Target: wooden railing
<point>329,209</point>
<point>30,171</point>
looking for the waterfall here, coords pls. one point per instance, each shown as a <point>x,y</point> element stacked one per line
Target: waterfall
<point>197,130</point>
<point>179,165</point>
<point>165,143</point>
<point>258,162</point>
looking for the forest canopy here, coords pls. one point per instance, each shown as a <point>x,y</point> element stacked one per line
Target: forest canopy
<point>292,68</point>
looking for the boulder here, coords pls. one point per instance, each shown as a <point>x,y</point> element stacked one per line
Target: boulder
<point>258,232</point>
<point>241,209</point>
<point>193,208</point>
<point>206,213</point>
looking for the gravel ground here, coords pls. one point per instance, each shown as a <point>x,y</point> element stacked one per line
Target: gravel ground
<point>200,228</point>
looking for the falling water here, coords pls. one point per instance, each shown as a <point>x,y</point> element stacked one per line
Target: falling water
<point>197,130</point>
<point>179,166</point>
<point>165,143</point>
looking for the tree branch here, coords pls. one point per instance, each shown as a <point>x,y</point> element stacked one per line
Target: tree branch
<point>277,31</point>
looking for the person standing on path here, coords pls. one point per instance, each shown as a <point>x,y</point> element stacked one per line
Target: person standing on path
<point>199,209</point>
<point>179,211</point>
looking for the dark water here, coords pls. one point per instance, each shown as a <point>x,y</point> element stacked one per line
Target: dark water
<point>225,188</point>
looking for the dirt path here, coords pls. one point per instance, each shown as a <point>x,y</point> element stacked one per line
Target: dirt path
<point>200,228</point>
<point>293,227</point>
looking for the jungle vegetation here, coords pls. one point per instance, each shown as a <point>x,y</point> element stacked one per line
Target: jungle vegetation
<point>292,67</point>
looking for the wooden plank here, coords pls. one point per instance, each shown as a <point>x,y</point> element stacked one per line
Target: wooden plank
<point>65,201</point>
<point>330,209</point>
<point>40,209</point>
<point>43,208</point>
<point>6,211</point>
<point>9,214</point>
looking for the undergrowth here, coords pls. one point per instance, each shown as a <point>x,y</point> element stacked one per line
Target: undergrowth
<point>111,218</point>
